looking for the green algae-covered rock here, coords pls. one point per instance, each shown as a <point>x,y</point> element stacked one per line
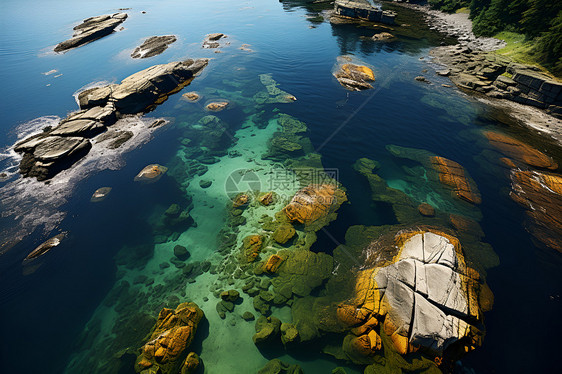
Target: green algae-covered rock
<point>284,233</point>
<point>267,330</point>
<point>277,366</point>
<point>302,271</point>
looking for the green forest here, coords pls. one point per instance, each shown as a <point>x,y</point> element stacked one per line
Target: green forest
<point>540,21</point>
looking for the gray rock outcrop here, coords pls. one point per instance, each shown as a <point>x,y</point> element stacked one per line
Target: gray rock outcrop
<point>91,29</point>
<point>499,77</point>
<point>153,46</point>
<point>58,148</point>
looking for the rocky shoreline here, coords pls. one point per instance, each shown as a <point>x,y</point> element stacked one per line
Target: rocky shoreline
<point>524,92</point>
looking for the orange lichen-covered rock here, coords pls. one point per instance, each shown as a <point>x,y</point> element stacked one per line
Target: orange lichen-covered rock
<point>541,195</point>
<point>272,264</point>
<point>520,151</point>
<point>251,246</point>
<point>425,297</point>
<point>354,77</point>
<point>453,175</point>
<point>171,336</point>
<point>311,203</point>
<point>365,72</point>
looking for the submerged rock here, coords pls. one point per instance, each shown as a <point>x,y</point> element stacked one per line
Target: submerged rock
<point>301,272</point>
<point>426,210</point>
<point>166,350</point>
<point>541,195</point>
<point>181,252</point>
<point>284,233</point>
<point>520,151</point>
<point>453,175</point>
<point>277,366</point>
<point>46,246</point>
<point>355,77</point>
<point>251,246</point>
<point>91,29</point>
<point>153,46</point>
<point>151,173</point>
<point>100,194</point>
<point>267,330</point>
<point>425,297</point>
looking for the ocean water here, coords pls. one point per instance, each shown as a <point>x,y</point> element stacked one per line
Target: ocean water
<point>66,311</point>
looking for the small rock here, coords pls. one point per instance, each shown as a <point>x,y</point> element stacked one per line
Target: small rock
<point>181,252</point>
<point>426,210</point>
<point>205,183</point>
<point>248,316</point>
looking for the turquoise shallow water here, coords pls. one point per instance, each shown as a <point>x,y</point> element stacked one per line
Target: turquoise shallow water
<point>45,308</point>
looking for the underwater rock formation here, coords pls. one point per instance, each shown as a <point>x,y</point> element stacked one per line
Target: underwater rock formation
<point>284,233</point>
<point>277,366</point>
<point>541,194</point>
<point>519,151</point>
<point>153,46</point>
<point>301,271</point>
<point>91,29</point>
<point>273,94</point>
<point>423,297</point>
<point>355,77</point>
<point>267,330</point>
<point>453,175</point>
<point>251,246</point>
<point>166,350</point>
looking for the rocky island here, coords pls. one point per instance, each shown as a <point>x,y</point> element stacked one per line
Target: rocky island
<point>92,29</point>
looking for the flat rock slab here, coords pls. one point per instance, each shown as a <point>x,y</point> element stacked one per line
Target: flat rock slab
<point>141,91</point>
<point>153,46</point>
<point>92,29</point>
<point>52,148</point>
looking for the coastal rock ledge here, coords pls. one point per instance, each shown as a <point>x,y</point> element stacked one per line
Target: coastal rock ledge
<point>55,149</point>
<point>92,29</point>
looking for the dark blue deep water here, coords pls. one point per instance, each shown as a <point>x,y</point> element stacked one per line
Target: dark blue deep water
<point>46,306</point>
